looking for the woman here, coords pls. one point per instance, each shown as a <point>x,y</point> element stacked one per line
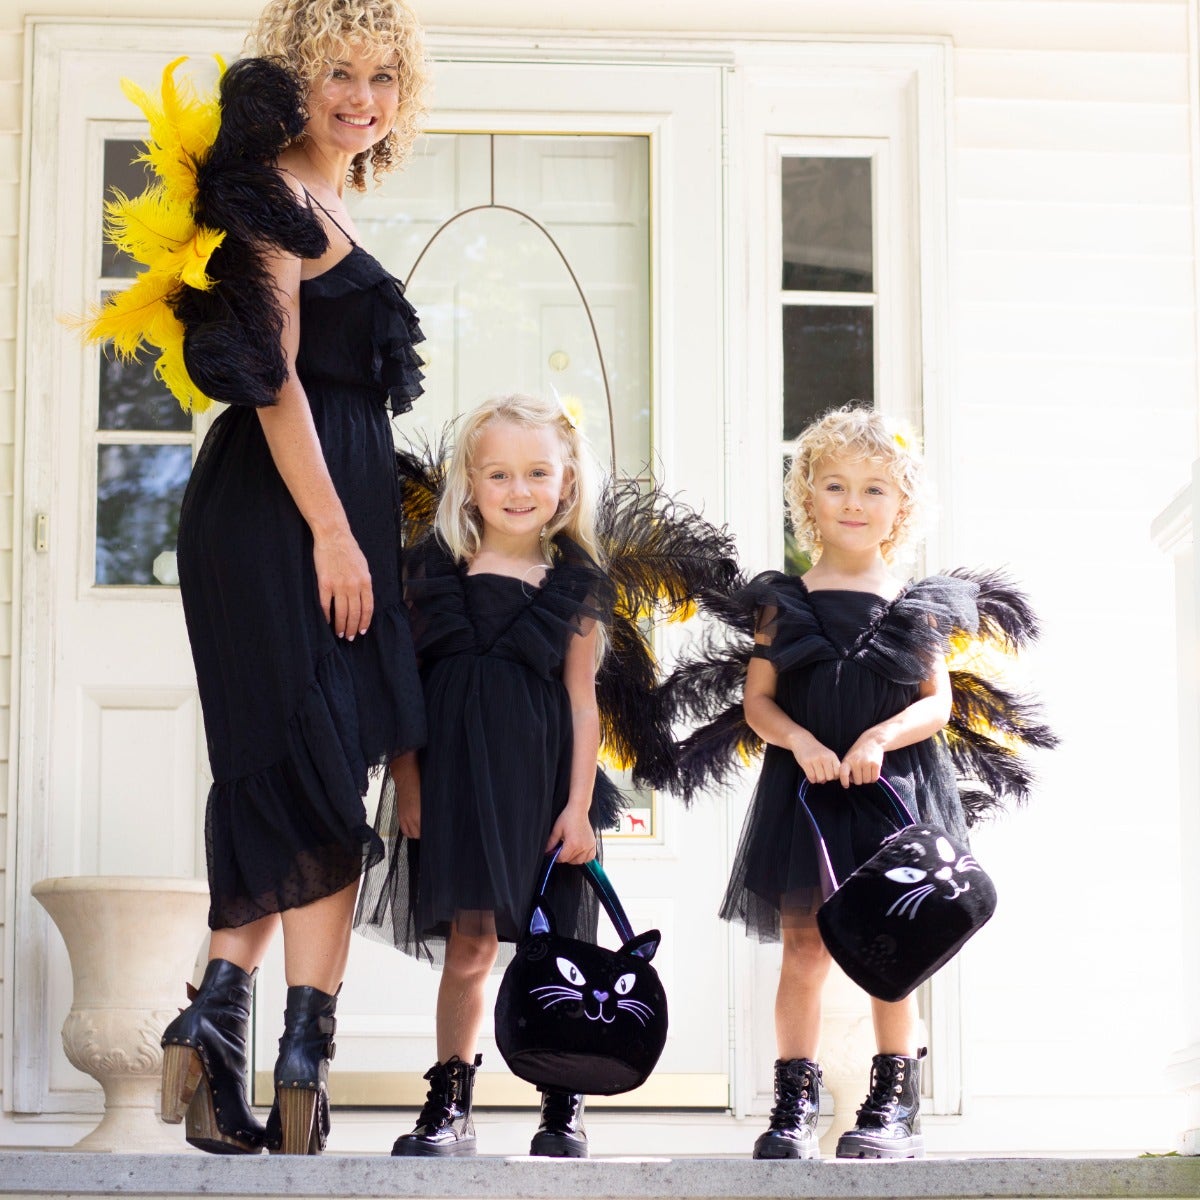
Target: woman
<point>287,544</point>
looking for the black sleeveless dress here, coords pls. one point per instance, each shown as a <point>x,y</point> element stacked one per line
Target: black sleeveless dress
<point>295,717</point>
<point>845,661</point>
<point>496,771</point>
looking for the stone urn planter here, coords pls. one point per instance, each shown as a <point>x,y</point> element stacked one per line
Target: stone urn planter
<point>133,944</point>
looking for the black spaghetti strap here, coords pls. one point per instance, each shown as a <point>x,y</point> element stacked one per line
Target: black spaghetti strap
<point>329,215</point>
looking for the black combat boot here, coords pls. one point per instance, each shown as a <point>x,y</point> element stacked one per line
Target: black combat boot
<point>204,1064</point>
<point>560,1134</point>
<point>792,1132</point>
<point>299,1120</point>
<point>444,1126</point>
<point>889,1122</point>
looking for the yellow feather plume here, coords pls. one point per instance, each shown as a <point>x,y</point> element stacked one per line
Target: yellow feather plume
<point>610,758</point>
<point>157,230</point>
<point>136,318</point>
<point>183,126</point>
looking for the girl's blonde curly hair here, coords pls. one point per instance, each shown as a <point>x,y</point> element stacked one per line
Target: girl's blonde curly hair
<point>310,34</point>
<point>854,433</point>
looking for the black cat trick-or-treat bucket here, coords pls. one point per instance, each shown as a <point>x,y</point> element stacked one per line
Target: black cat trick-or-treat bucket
<point>907,910</point>
<point>581,1017</point>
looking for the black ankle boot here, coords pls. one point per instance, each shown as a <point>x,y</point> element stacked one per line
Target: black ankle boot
<point>204,1064</point>
<point>560,1134</point>
<point>299,1120</point>
<point>889,1122</point>
<point>792,1132</point>
<point>444,1126</point>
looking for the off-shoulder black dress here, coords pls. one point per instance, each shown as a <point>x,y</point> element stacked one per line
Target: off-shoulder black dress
<point>496,771</point>
<point>295,717</point>
<point>846,661</point>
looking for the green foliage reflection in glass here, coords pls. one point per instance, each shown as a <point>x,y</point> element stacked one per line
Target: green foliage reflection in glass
<point>138,493</point>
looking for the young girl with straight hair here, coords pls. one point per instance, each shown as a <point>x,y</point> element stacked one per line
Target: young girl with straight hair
<point>509,602</point>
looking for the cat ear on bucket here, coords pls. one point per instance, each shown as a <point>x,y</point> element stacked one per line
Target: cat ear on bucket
<point>644,946</point>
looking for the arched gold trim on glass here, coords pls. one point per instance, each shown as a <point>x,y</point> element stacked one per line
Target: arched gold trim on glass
<point>587,308</point>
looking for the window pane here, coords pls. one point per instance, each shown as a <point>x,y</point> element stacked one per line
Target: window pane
<point>828,360</point>
<point>122,173</point>
<point>132,398</point>
<point>138,492</point>
<point>827,225</point>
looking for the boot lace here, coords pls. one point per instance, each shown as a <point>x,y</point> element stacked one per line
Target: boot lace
<point>438,1110</point>
<point>794,1090</point>
<point>887,1078</point>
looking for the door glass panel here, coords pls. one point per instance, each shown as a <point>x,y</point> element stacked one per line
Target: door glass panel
<point>130,397</point>
<point>138,492</point>
<point>827,225</point>
<point>527,257</point>
<point>126,175</point>
<point>537,248</point>
<point>828,360</point>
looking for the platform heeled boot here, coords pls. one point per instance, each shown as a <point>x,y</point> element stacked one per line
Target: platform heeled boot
<point>299,1120</point>
<point>560,1132</point>
<point>792,1132</point>
<point>889,1121</point>
<point>444,1126</point>
<point>204,1064</point>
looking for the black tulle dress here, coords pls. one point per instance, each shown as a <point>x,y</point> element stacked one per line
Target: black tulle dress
<point>495,773</point>
<point>295,717</point>
<point>845,661</point>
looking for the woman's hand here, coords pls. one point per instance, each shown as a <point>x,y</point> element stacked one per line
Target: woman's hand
<point>406,776</point>
<point>576,834</point>
<point>343,583</point>
<point>864,760</point>
<point>818,762</point>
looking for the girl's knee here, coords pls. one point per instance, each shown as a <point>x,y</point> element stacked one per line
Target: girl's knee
<point>804,950</point>
<point>470,955</point>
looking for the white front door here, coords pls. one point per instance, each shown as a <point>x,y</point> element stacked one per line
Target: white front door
<point>604,284</point>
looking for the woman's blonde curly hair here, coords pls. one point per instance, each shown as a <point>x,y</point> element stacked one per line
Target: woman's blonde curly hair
<point>854,433</point>
<point>310,34</point>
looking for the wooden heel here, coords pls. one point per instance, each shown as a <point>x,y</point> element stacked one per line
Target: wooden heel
<point>182,1072</point>
<point>298,1120</point>
<point>203,1132</point>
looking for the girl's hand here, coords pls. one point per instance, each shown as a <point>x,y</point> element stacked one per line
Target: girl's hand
<point>819,763</point>
<point>863,761</point>
<point>576,834</point>
<point>343,583</point>
<point>406,775</point>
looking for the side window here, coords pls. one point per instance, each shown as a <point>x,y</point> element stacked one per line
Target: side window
<point>828,300</point>
<point>142,438</point>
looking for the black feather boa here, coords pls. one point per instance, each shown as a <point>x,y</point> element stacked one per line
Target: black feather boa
<point>232,340</point>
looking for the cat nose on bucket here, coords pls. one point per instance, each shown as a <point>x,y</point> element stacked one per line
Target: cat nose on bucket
<point>600,995</point>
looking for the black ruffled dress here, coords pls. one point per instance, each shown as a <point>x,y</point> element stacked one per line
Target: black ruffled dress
<point>495,773</point>
<point>295,717</point>
<point>845,661</point>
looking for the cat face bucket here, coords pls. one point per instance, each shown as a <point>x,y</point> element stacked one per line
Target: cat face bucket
<point>907,910</point>
<point>580,1017</point>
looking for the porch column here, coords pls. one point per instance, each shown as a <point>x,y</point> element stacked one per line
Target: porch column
<point>1174,531</point>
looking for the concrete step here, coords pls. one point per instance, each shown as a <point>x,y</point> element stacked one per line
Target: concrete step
<point>347,1177</point>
